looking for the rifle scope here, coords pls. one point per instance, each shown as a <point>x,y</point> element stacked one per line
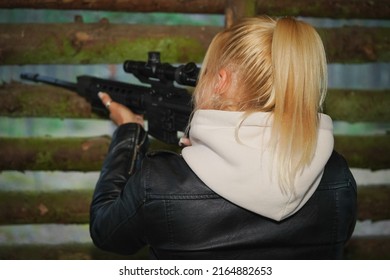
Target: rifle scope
<point>186,74</point>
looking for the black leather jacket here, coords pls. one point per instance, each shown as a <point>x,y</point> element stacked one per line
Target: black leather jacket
<point>155,199</point>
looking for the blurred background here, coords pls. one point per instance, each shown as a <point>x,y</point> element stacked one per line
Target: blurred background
<point>353,76</point>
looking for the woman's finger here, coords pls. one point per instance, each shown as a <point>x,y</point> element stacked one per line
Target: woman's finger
<point>184,142</point>
<point>105,98</point>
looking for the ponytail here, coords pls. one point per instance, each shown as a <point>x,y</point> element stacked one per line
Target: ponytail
<point>300,76</point>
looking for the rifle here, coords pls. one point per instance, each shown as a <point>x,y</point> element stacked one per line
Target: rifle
<point>166,107</point>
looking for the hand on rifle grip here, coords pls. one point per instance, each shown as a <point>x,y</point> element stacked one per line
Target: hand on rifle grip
<point>119,113</point>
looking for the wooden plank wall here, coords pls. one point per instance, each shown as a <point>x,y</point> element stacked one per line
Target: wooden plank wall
<point>86,43</point>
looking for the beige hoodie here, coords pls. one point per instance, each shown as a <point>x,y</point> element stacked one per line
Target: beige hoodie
<point>240,168</point>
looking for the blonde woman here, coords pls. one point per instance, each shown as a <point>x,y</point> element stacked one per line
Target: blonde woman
<point>259,178</point>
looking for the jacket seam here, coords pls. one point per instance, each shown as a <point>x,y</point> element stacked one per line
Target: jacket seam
<point>128,217</point>
<point>333,186</point>
<point>135,150</point>
<point>336,217</point>
<point>182,196</point>
<point>169,223</point>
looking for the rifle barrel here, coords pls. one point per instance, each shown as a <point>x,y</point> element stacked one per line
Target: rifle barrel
<point>49,80</point>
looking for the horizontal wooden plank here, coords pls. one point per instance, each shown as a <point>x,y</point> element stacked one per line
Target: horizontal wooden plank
<point>368,248</point>
<point>358,105</point>
<point>65,154</point>
<point>62,207</point>
<point>322,8</point>
<point>374,203</point>
<point>76,251</point>
<point>25,100</point>
<point>365,151</point>
<point>87,154</point>
<point>376,9</point>
<point>356,44</point>
<point>359,248</point>
<point>171,6</point>
<point>78,43</point>
<point>72,207</point>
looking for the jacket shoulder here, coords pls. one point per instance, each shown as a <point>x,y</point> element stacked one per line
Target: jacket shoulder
<point>163,163</point>
<point>167,172</point>
<point>337,171</point>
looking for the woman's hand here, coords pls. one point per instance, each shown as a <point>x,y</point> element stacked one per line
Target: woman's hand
<point>184,141</point>
<point>119,113</point>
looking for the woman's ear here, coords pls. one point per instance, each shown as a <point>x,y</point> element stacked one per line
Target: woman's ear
<point>223,81</point>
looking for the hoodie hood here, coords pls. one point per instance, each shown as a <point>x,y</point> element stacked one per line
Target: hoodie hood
<point>237,164</point>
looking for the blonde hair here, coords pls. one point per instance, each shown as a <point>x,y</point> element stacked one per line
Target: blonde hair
<point>281,68</point>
